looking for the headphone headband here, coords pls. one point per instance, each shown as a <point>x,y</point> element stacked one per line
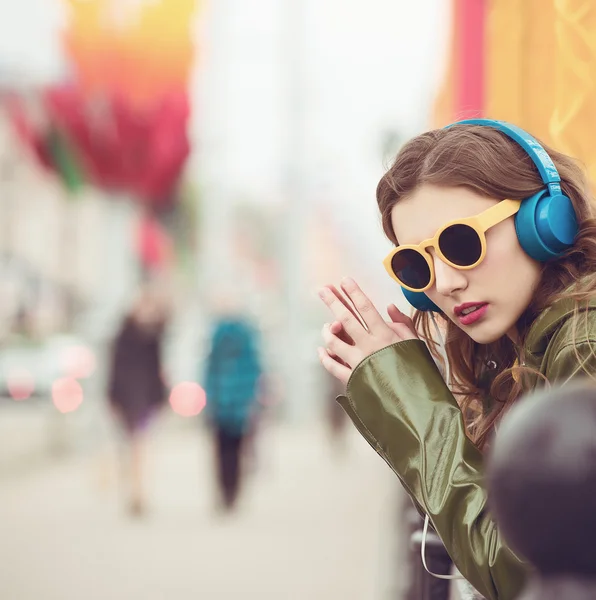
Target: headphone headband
<point>546,224</point>
<point>544,163</point>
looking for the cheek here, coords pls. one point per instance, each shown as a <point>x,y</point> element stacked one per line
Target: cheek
<point>503,252</point>
<point>507,269</point>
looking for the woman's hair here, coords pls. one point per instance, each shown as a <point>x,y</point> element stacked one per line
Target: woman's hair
<point>486,161</point>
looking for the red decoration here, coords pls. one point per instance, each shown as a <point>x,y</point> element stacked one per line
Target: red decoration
<point>153,243</point>
<point>121,147</point>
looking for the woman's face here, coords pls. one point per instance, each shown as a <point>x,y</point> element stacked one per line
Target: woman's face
<point>504,281</point>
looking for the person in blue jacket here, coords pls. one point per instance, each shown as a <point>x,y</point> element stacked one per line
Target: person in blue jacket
<point>233,372</point>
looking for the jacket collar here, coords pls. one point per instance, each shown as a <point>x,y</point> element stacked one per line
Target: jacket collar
<point>549,321</point>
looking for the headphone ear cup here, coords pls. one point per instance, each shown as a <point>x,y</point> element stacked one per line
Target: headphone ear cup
<point>546,225</point>
<point>420,301</point>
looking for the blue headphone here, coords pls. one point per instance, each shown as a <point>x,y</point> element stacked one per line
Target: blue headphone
<point>546,223</point>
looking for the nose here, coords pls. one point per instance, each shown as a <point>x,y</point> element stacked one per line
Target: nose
<point>448,279</point>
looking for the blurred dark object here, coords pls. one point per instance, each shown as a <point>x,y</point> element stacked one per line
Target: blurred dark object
<point>233,372</point>
<point>542,484</point>
<point>136,387</point>
<point>107,141</point>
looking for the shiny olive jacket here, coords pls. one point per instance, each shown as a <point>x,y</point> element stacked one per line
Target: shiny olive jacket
<point>399,402</point>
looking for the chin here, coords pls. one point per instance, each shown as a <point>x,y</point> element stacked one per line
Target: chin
<point>486,333</point>
<point>485,339</point>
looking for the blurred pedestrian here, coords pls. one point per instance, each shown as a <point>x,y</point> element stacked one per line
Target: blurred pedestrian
<point>541,477</point>
<point>136,386</point>
<point>233,372</point>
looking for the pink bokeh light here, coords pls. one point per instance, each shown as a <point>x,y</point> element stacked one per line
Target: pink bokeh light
<point>67,394</point>
<point>78,362</point>
<point>20,384</point>
<point>188,399</point>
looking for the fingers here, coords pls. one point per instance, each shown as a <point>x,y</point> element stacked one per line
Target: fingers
<point>399,317</point>
<point>401,323</point>
<point>345,302</point>
<point>338,348</point>
<point>350,323</point>
<point>348,341</point>
<point>337,329</point>
<point>371,317</point>
<point>402,330</point>
<point>339,371</point>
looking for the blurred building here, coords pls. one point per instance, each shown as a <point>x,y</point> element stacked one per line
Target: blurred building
<point>52,246</point>
<point>293,112</point>
<point>541,79</point>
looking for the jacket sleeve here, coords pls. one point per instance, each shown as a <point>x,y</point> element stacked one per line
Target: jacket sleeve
<point>399,402</point>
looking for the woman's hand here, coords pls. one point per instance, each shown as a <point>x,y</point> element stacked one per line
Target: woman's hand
<point>359,332</point>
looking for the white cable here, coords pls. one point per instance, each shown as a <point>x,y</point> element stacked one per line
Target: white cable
<point>423,555</point>
<point>426,519</point>
<point>440,336</point>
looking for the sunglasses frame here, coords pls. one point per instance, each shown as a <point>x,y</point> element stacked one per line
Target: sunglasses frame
<point>479,223</point>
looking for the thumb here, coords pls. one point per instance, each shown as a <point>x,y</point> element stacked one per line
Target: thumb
<point>405,332</point>
<point>399,321</point>
<point>397,316</point>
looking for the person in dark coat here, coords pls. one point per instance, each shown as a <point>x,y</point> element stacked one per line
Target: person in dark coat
<point>136,386</point>
<point>542,484</point>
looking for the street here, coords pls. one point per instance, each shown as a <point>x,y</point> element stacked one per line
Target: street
<point>314,524</point>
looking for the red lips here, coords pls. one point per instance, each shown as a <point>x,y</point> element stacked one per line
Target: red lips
<point>477,312</point>
<point>459,309</point>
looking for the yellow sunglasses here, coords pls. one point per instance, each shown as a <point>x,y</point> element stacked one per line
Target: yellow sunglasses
<point>460,243</point>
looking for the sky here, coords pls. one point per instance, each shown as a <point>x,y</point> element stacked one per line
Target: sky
<point>29,47</point>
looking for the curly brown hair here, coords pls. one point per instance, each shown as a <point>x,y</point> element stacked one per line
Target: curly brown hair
<point>488,162</point>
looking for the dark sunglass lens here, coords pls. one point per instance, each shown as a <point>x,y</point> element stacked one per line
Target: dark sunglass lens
<point>461,245</point>
<point>411,268</point>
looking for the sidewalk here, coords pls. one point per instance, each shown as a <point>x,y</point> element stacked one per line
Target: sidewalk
<point>24,434</point>
<point>314,526</point>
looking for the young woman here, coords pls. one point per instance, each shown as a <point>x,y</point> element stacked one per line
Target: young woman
<point>495,238</point>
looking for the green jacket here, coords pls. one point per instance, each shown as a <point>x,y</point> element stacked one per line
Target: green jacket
<point>399,402</point>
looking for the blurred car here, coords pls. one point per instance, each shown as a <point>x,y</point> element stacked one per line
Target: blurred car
<point>29,369</point>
